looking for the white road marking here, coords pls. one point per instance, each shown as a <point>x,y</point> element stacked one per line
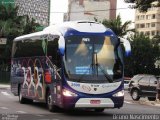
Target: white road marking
<point>23,112</point>
<point>40,115</point>
<point>127,102</point>
<point>4,108</point>
<point>5,93</point>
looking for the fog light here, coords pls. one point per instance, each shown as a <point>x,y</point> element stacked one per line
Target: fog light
<point>68,93</point>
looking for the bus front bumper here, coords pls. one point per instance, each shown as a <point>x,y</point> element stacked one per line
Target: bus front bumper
<point>115,102</point>
<point>94,103</point>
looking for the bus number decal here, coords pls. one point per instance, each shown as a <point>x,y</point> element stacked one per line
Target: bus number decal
<point>75,84</point>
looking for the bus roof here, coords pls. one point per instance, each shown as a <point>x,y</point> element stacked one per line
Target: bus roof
<point>38,35</point>
<point>56,31</point>
<point>80,26</point>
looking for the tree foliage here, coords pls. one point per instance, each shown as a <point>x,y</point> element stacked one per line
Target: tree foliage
<point>143,5</point>
<point>117,26</point>
<point>143,57</point>
<point>12,25</point>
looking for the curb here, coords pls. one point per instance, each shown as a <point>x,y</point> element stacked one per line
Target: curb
<point>145,102</point>
<point>152,103</point>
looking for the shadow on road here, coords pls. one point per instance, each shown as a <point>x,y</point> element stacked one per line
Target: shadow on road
<point>85,113</point>
<point>73,112</point>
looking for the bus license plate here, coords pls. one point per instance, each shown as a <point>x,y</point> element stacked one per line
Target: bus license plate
<point>95,101</point>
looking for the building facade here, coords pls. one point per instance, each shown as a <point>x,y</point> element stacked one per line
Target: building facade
<point>91,10</point>
<point>113,9</point>
<point>37,9</point>
<point>148,23</point>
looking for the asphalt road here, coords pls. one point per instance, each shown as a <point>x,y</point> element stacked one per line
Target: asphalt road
<point>11,109</point>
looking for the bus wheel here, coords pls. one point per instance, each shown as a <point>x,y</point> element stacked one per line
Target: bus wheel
<point>99,110</point>
<point>22,100</point>
<point>49,101</point>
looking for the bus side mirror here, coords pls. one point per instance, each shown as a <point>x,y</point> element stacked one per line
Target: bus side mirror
<point>127,46</point>
<point>61,45</point>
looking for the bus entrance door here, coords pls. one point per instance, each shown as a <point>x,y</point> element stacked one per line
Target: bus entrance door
<point>57,87</point>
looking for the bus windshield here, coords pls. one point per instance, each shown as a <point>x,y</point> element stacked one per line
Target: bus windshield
<point>93,58</point>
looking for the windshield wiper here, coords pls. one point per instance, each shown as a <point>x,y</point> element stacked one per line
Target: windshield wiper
<point>103,71</point>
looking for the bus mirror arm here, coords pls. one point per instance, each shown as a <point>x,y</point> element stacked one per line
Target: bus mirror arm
<point>126,45</point>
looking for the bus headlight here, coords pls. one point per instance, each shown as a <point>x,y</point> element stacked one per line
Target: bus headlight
<point>68,93</point>
<point>119,94</point>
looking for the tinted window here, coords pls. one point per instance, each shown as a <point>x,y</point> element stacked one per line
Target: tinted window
<point>30,48</point>
<point>27,49</point>
<point>144,80</point>
<point>136,78</point>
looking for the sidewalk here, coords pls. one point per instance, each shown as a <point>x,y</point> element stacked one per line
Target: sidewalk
<point>152,103</point>
<point>4,85</point>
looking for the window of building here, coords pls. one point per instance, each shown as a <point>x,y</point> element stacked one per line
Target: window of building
<point>142,17</point>
<point>148,25</point>
<point>153,16</point>
<point>153,24</point>
<point>142,25</point>
<point>148,17</point>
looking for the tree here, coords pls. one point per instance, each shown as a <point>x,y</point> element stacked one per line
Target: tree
<point>156,39</point>
<point>143,5</point>
<point>29,25</point>
<point>12,25</point>
<point>143,57</point>
<point>117,26</point>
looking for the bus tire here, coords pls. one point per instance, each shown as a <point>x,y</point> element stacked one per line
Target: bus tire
<point>50,105</point>
<point>22,100</point>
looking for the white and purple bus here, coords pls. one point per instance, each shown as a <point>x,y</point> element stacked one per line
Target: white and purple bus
<point>76,64</point>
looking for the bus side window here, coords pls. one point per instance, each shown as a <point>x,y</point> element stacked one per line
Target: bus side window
<point>28,48</point>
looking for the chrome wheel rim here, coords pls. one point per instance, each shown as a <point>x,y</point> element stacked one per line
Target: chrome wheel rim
<point>134,94</point>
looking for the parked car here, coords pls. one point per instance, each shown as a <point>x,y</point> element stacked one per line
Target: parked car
<point>143,86</point>
<point>126,82</point>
